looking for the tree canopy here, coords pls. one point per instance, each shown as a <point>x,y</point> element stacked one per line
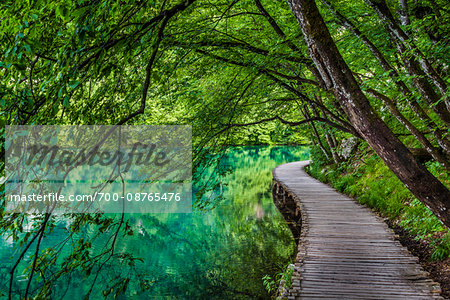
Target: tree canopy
<point>240,72</point>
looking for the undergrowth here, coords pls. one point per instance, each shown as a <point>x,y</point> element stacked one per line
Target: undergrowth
<point>365,177</point>
<point>282,280</point>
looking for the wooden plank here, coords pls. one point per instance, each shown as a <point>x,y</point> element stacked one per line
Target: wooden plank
<point>345,251</point>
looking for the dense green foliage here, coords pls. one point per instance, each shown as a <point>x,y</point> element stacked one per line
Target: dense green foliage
<point>240,73</point>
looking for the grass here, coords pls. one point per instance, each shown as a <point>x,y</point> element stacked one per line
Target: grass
<point>365,177</point>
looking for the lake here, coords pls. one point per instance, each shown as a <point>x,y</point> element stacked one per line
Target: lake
<point>219,252</point>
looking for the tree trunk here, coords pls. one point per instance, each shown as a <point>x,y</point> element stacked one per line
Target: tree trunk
<point>306,115</point>
<point>330,141</point>
<point>404,12</point>
<point>411,128</point>
<point>288,42</point>
<point>417,109</point>
<point>333,146</point>
<point>427,188</point>
<point>404,44</point>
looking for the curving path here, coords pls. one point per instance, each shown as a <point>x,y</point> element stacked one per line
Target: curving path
<point>345,250</point>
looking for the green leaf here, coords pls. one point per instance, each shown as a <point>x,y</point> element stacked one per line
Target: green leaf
<point>58,11</point>
<point>74,84</point>
<point>60,92</point>
<point>27,48</point>
<point>20,67</point>
<point>66,102</point>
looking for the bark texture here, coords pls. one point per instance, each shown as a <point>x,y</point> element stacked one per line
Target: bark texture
<point>427,188</point>
<point>416,108</point>
<point>403,12</point>
<point>413,67</point>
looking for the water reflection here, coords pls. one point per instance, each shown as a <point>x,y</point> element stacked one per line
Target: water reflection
<point>221,253</point>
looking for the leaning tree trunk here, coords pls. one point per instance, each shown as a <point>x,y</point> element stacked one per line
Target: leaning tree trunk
<point>411,128</point>
<point>416,108</point>
<point>316,133</point>
<point>401,39</point>
<point>404,12</point>
<point>427,188</point>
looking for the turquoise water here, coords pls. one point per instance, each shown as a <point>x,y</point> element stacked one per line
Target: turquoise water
<point>221,252</point>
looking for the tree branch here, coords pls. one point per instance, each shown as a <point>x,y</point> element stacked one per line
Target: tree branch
<point>290,123</point>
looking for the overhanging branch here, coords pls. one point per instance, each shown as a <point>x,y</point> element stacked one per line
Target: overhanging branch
<point>290,123</point>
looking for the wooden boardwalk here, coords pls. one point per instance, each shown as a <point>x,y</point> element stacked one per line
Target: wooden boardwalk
<point>345,251</point>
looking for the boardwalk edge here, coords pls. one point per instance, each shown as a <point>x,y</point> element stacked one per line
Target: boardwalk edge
<point>283,197</point>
